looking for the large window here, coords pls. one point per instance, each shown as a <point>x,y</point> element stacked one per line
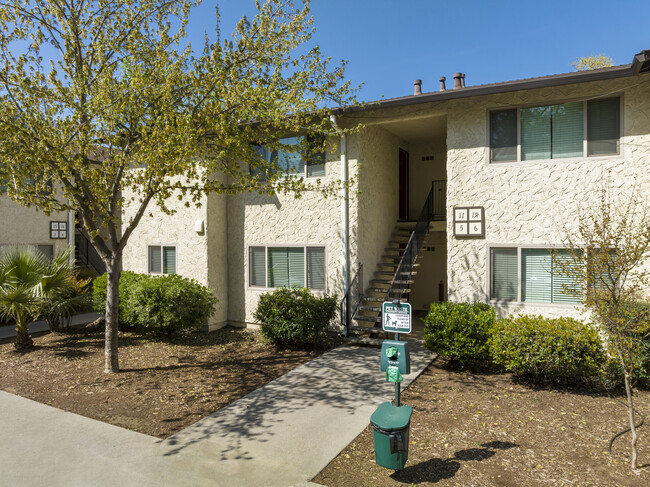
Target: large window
<point>301,157</point>
<point>533,275</point>
<point>162,259</point>
<point>576,129</point>
<point>287,266</point>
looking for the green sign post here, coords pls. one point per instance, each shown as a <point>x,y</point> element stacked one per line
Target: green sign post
<point>396,317</point>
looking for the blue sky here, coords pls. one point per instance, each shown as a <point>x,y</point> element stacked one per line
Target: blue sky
<point>389,43</point>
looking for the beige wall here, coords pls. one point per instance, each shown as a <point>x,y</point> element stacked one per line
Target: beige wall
<point>281,219</point>
<point>28,226</point>
<point>531,203</point>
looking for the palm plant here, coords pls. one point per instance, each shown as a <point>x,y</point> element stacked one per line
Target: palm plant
<point>31,286</point>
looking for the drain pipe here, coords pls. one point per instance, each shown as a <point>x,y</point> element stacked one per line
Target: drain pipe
<point>345,216</point>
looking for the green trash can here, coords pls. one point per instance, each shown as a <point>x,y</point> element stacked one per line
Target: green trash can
<point>390,431</point>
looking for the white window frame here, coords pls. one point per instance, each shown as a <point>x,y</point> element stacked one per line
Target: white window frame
<point>161,246</point>
<point>518,300</point>
<point>305,173</point>
<point>519,161</point>
<point>266,265</point>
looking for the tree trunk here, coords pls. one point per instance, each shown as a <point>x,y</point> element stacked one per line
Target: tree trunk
<point>630,404</point>
<point>23,340</point>
<point>113,271</point>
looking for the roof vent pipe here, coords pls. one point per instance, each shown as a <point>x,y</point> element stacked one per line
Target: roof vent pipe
<point>442,83</point>
<point>417,87</point>
<point>462,80</point>
<point>457,81</point>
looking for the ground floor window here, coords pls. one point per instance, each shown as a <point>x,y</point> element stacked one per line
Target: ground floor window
<point>532,275</point>
<point>46,250</point>
<point>271,266</point>
<point>162,259</point>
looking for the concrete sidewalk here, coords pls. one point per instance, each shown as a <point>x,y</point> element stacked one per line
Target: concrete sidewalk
<point>7,333</point>
<point>282,434</point>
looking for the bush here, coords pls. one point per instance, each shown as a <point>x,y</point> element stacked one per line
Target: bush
<point>543,350</point>
<point>160,304</point>
<point>460,331</point>
<point>294,317</point>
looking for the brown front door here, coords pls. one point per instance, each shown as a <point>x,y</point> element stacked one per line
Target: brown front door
<point>403,185</point>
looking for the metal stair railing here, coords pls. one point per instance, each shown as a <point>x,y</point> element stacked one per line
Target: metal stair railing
<point>404,272</point>
<point>352,299</point>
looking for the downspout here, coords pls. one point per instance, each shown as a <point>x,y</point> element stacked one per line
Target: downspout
<point>345,216</point>
<point>71,237</point>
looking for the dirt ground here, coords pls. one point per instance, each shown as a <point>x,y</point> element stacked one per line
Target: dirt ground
<point>163,386</point>
<point>488,430</point>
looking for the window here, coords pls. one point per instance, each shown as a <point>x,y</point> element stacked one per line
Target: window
<point>162,259</point>
<point>307,162</point>
<point>287,266</point>
<point>556,131</point>
<point>532,275</point>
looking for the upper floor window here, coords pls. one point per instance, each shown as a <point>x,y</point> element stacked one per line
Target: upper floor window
<point>306,161</point>
<point>576,129</point>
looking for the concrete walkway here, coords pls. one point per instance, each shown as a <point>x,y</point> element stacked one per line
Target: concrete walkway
<point>7,333</point>
<point>282,434</point>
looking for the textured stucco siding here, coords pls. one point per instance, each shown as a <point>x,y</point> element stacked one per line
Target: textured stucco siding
<point>377,203</point>
<point>533,203</point>
<point>281,220</point>
<point>192,256</point>
<point>28,226</point>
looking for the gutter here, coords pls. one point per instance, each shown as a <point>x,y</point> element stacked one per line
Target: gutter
<point>345,216</point>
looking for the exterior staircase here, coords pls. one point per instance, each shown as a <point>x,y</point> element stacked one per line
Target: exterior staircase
<point>396,271</point>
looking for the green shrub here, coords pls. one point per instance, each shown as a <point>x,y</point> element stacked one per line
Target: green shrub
<point>160,304</point>
<point>543,350</point>
<point>294,317</point>
<point>460,331</point>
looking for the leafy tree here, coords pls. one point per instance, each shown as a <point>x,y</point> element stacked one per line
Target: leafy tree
<point>125,113</point>
<point>592,62</point>
<point>32,285</point>
<point>609,257</point>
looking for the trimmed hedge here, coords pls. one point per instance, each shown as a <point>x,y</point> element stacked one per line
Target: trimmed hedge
<point>460,331</point>
<point>294,317</point>
<point>561,350</point>
<point>159,304</point>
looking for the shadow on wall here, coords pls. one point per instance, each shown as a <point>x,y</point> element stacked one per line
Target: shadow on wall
<point>468,273</point>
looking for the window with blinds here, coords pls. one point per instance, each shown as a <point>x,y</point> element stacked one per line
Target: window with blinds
<point>301,157</point>
<point>556,131</point>
<point>274,267</point>
<point>534,275</point>
<point>162,259</point>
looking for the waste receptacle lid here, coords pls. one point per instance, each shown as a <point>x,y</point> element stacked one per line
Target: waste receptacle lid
<point>389,417</point>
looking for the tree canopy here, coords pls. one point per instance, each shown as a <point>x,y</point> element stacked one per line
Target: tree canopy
<point>592,62</point>
<point>100,99</point>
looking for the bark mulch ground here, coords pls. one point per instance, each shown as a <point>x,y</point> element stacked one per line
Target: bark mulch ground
<point>163,386</point>
<point>489,430</point>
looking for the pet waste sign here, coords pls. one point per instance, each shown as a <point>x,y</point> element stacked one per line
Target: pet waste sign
<point>396,317</point>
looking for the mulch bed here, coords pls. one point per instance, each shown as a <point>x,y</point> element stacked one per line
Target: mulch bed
<point>489,430</point>
<point>163,386</point>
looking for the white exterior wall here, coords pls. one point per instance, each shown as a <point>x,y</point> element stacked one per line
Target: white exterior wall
<point>282,220</point>
<point>192,256</point>
<point>531,203</point>
<point>28,226</point>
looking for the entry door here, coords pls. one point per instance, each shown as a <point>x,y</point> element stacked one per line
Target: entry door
<point>403,185</point>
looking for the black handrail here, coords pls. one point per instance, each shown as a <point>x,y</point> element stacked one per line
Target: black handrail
<point>86,254</point>
<point>404,272</point>
<point>347,303</point>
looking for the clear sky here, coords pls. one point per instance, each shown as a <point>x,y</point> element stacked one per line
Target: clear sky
<point>389,43</point>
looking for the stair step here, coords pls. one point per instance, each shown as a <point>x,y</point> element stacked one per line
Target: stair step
<point>355,329</point>
<point>357,340</point>
<point>374,319</point>
<point>381,290</point>
<point>388,273</point>
<point>370,308</point>
<point>388,281</point>
<point>380,299</point>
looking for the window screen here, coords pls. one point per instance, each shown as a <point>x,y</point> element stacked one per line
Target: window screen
<point>504,274</point>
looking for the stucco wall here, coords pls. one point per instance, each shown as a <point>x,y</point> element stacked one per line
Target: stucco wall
<point>28,226</point>
<point>192,256</point>
<point>377,204</point>
<point>531,203</point>
<point>281,219</point>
